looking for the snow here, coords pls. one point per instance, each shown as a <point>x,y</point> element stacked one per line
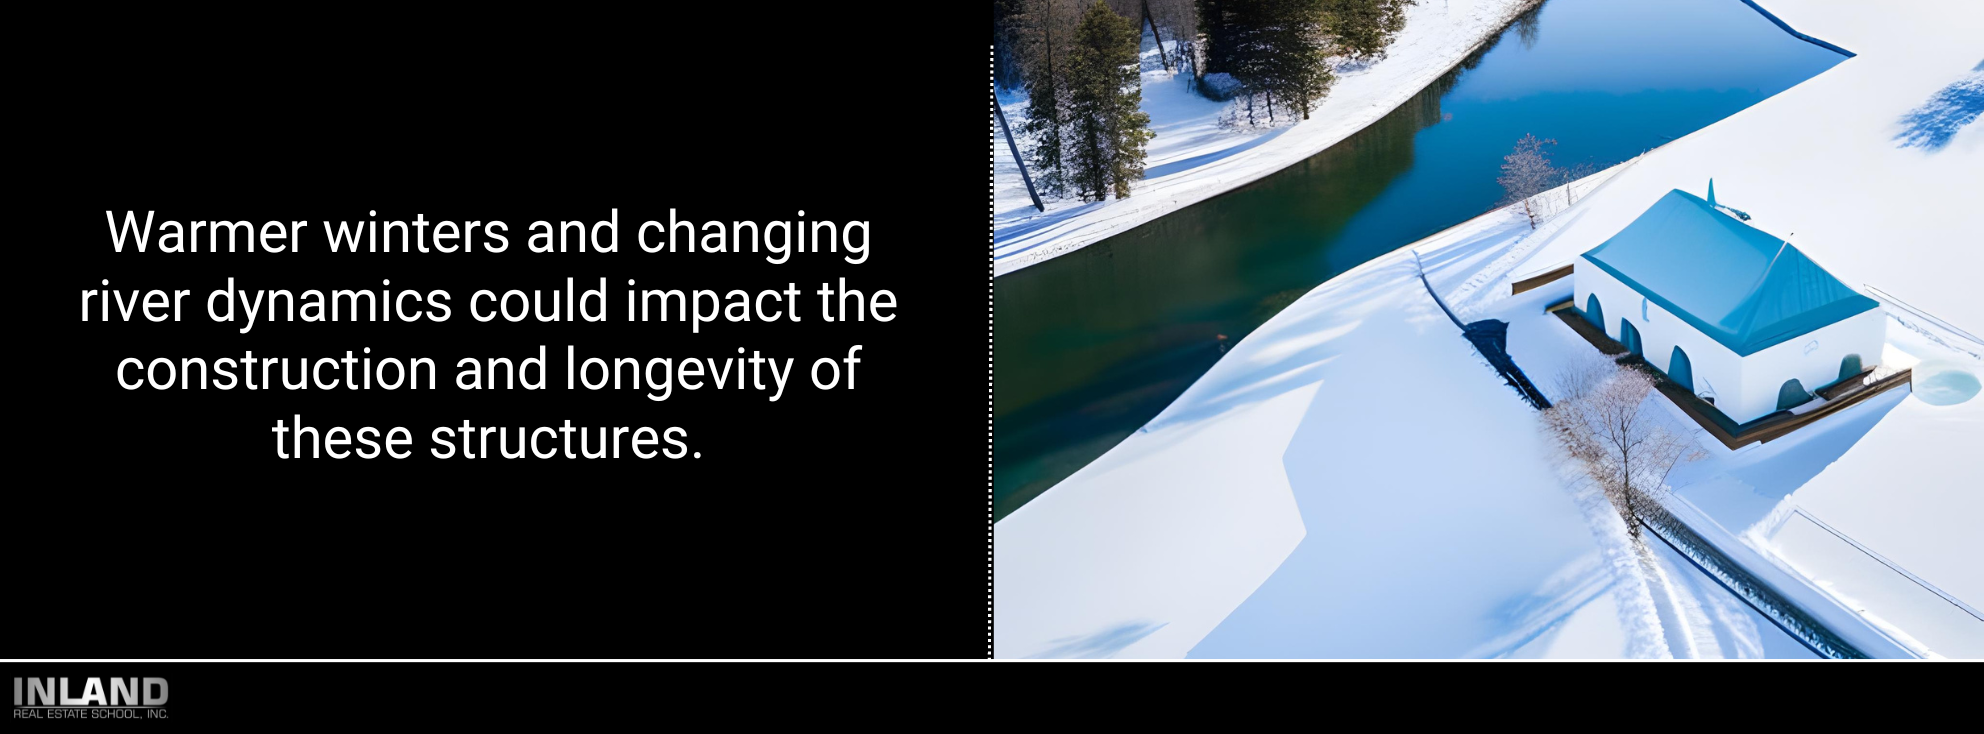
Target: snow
<point>1167,533</point>
<point>1724,626</point>
<point>1351,480</point>
<point>1832,165</point>
<point>1689,614</point>
<point>1399,511</point>
<point>1588,632</point>
<point>1937,121</point>
<point>1192,158</point>
<point>1907,493</point>
<point>1819,163</point>
<point>1869,585</point>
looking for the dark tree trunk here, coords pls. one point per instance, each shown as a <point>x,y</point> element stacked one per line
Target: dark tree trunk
<point>1017,158</point>
<point>1154,36</point>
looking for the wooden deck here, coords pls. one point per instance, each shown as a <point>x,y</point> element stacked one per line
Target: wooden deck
<point>1838,397</point>
<point>1527,284</point>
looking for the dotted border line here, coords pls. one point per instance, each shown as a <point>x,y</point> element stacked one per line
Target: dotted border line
<point>991,209</point>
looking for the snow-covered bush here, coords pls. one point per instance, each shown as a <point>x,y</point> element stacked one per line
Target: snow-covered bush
<point>1220,86</point>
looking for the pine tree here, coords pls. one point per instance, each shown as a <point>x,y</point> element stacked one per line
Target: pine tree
<point>1295,66</point>
<point>1104,97</point>
<point>1249,60</point>
<point>1216,31</point>
<point>1277,49</point>
<point>1005,37</point>
<point>1364,28</point>
<point>1044,39</point>
<point>1232,34</point>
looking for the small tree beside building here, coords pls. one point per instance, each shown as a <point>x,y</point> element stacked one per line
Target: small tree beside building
<point>1602,420</point>
<point>1527,172</point>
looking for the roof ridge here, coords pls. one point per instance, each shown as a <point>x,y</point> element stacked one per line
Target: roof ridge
<point>1744,287</point>
<point>1747,306</point>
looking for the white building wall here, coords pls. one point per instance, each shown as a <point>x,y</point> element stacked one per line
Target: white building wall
<point>1717,371</point>
<point>1616,299</point>
<point>1744,388</point>
<point>1813,359</point>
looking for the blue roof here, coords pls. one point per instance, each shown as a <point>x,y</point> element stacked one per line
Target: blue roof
<point>1743,287</point>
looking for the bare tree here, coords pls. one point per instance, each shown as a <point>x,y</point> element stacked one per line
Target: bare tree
<point>1044,30</point>
<point>1017,158</point>
<point>1179,19</point>
<point>1601,421</point>
<point>1156,37</point>
<point>1582,374</point>
<point>1527,172</point>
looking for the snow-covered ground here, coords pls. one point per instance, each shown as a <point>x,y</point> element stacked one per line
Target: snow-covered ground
<point>1352,481</point>
<point>1289,450</point>
<point>1725,489</point>
<point>1908,495</point>
<point>1888,474</point>
<point>1192,158</point>
<point>1821,164</point>
<point>1877,505</point>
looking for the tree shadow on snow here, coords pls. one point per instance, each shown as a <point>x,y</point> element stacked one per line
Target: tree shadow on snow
<point>1739,490</point>
<point>1002,236</point>
<point>1102,644</point>
<point>1932,125</point>
<point>1215,156</point>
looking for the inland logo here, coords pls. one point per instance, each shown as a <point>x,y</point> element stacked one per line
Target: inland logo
<point>90,698</point>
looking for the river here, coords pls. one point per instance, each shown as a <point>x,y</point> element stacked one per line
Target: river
<point>1092,344</point>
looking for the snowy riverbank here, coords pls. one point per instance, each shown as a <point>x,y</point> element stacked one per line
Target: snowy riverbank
<point>1192,158</point>
<point>1350,480</point>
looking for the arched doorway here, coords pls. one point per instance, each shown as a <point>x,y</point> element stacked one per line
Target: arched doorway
<point>1849,366</point>
<point>1681,371</point>
<point>1593,312</point>
<point>1629,336</point>
<point>1792,395</point>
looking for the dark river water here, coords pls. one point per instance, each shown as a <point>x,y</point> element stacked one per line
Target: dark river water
<point>1091,345</point>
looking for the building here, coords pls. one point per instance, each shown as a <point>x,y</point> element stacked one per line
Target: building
<point>1738,316</point>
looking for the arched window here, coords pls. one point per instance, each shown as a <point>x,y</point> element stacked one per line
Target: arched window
<point>1629,336</point>
<point>1594,312</point>
<point>1792,395</point>
<point>1849,366</point>
<point>1680,370</point>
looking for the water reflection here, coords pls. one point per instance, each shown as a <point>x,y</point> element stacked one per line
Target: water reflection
<point>1092,344</point>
